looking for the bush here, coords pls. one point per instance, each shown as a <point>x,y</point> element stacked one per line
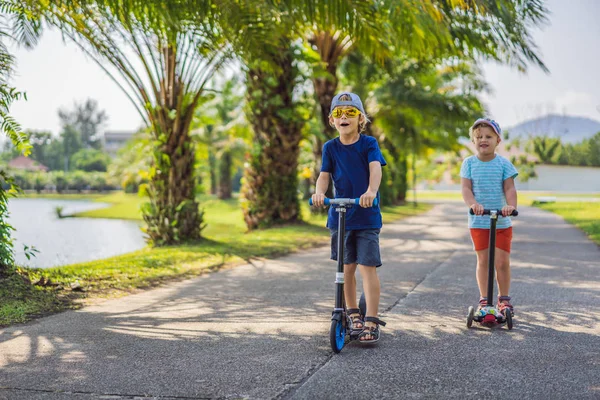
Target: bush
<point>23,179</point>
<point>393,180</point>
<point>387,191</point>
<point>40,181</point>
<point>101,182</point>
<point>60,181</point>
<point>90,160</point>
<point>79,180</point>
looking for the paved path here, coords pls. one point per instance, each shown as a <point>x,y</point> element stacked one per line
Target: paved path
<point>261,330</point>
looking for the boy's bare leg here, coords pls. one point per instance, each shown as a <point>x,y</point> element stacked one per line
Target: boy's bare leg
<point>350,285</point>
<point>502,264</point>
<point>482,271</point>
<point>372,289</point>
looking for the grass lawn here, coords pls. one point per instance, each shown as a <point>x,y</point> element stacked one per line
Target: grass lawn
<point>226,243</point>
<point>585,216</point>
<point>123,206</point>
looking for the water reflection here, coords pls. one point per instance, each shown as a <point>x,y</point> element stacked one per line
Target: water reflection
<point>68,240</point>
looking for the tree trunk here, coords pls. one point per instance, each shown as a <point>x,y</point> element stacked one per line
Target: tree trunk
<point>212,166</point>
<point>172,214</point>
<point>325,86</point>
<point>7,261</point>
<point>270,190</point>
<point>225,184</point>
<point>403,179</point>
<point>400,171</point>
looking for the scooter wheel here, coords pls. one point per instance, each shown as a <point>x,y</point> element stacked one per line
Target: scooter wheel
<point>508,316</point>
<point>362,305</point>
<point>470,316</point>
<point>337,335</point>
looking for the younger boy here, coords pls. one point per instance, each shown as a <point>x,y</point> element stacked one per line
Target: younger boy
<point>488,181</point>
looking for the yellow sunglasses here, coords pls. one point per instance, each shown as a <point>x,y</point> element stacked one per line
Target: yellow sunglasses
<point>349,112</point>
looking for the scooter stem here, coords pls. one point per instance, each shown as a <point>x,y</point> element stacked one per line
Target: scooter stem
<point>339,279</point>
<point>492,253</point>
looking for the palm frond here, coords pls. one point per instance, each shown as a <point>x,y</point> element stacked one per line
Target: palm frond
<point>156,51</point>
<point>500,30</point>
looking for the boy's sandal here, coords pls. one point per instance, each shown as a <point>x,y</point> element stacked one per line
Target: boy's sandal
<point>504,303</point>
<point>355,318</point>
<point>372,331</point>
<point>482,303</point>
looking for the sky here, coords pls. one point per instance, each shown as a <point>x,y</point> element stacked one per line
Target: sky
<point>570,50</point>
<point>54,75</point>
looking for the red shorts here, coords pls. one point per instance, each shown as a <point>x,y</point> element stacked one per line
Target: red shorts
<point>481,238</point>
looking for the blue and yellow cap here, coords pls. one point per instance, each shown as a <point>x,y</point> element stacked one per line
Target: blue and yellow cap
<point>489,122</point>
<point>354,102</point>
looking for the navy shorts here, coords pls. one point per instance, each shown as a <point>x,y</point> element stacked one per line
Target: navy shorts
<point>360,246</point>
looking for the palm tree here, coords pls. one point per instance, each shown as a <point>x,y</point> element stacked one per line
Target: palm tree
<point>20,27</point>
<point>427,28</point>
<point>269,193</point>
<point>17,26</point>
<point>498,30</point>
<point>178,49</point>
<point>352,26</point>
<point>546,148</point>
<point>269,53</point>
<point>223,130</point>
<point>275,107</point>
<point>423,105</point>
<point>225,144</point>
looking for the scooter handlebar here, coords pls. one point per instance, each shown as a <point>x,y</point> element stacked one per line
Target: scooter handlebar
<point>343,201</point>
<point>499,212</point>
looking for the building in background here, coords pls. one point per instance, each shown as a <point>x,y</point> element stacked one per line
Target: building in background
<point>27,164</point>
<point>115,140</point>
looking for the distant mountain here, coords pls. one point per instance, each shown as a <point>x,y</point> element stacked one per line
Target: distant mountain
<point>568,129</point>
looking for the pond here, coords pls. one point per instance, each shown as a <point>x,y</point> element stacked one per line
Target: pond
<point>68,240</point>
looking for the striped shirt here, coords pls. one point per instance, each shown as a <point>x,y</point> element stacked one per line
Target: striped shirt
<point>488,187</point>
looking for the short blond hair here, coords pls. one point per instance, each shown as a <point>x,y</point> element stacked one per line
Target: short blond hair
<point>493,125</point>
<point>475,128</point>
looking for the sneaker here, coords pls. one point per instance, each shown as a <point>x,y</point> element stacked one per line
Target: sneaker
<point>504,303</point>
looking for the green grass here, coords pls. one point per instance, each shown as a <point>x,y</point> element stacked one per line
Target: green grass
<point>62,196</point>
<point>122,206</point>
<point>559,195</point>
<point>226,243</point>
<point>585,216</point>
<point>21,301</point>
<point>223,217</point>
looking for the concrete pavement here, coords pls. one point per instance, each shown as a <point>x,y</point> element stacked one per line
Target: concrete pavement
<point>261,330</point>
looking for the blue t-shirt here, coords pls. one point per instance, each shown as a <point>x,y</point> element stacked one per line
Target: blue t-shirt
<point>349,168</point>
<point>488,187</point>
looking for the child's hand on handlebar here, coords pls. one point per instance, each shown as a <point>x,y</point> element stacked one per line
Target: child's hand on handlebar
<point>318,200</point>
<point>477,208</point>
<point>366,200</point>
<point>507,210</point>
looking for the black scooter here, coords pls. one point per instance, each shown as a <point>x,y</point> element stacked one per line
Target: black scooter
<point>340,320</point>
<point>490,315</point>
